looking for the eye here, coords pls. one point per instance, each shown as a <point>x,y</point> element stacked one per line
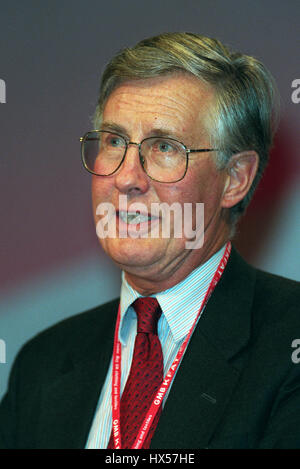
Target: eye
<point>109,140</point>
<point>163,146</point>
<point>114,141</point>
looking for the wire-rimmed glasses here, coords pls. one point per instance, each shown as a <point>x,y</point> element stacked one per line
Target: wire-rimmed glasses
<point>163,159</point>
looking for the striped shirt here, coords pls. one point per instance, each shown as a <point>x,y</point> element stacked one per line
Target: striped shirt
<point>180,305</point>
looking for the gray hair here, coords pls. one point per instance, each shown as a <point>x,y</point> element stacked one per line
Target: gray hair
<point>245,113</point>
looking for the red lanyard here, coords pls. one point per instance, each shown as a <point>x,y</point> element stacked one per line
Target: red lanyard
<point>116,371</point>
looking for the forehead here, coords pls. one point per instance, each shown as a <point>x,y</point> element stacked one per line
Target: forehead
<point>179,102</point>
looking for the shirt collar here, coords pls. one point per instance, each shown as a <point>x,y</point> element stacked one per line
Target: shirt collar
<point>180,303</point>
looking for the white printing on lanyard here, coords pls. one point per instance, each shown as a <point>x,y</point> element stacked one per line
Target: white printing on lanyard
<point>116,371</point>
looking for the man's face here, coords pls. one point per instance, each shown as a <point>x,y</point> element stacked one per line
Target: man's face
<point>177,107</point>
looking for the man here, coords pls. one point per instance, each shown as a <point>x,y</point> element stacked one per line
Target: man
<point>180,120</point>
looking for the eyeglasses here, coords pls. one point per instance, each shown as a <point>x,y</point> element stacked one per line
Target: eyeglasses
<point>163,159</point>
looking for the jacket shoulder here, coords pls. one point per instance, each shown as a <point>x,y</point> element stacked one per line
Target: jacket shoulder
<point>281,288</point>
<point>72,336</point>
<point>268,288</point>
<point>272,298</point>
<point>277,296</point>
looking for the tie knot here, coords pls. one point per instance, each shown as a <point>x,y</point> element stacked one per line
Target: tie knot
<point>148,313</point>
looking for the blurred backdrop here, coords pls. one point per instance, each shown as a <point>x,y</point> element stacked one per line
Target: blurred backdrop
<point>52,54</point>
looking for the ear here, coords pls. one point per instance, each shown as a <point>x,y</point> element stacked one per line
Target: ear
<point>241,171</point>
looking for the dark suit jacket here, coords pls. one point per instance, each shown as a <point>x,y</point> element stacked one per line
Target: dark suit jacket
<point>237,386</point>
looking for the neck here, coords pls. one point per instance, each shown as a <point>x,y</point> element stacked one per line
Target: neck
<point>148,284</point>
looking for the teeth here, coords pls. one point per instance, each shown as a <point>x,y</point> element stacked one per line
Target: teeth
<point>133,218</point>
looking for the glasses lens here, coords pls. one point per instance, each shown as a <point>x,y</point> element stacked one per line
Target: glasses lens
<point>102,152</point>
<point>164,159</point>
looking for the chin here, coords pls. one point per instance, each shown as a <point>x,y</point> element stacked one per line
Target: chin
<point>134,252</point>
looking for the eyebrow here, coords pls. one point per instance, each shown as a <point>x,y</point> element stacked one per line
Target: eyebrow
<point>113,127</point>
<point>155,131</point>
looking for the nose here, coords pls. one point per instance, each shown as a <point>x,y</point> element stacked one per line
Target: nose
<point>131,177</point>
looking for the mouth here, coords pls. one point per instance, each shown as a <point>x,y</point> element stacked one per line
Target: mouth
<point>133,218</point>
<point>135,222</point>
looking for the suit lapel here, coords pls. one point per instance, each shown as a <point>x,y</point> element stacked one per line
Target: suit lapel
<point>209,373</point>
<point>72,398</point>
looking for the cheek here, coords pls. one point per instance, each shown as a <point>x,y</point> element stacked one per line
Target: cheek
<point>190,189</point>
<point>202,187</point>
<point>94,190</point>
<point>100,188</point>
